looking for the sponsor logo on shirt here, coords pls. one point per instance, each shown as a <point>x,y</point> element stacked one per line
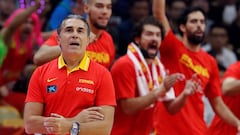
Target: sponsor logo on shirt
<point>86,81</point>
<point>187,61</point>
<point>51,88</point>
<point>51,79</point>
<point>85,90</point>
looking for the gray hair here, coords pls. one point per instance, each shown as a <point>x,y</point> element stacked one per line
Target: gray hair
<point>74,16</point>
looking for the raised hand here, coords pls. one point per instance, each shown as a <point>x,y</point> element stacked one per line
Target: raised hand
<point>37,4</point>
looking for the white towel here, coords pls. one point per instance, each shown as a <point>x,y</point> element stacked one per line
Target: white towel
<point>146,85</point>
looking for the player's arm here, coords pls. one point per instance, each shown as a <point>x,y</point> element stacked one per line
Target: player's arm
<point>131,106</point>
<point>33,119</point>
<point>101,127</point>
<point>231,86</point>
<point>159,8</point>
<point>7,32</point>
<point>46,53</point>
<point>134,105</point>
<point>95,121</point>
<point>223,112</point>
<point>192,86</point>
<point>51,50</point>
<point>61,125</point>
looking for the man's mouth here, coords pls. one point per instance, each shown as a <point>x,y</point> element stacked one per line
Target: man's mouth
<point>199,33</point>
<point>75,44</point>
<point>153,45</point>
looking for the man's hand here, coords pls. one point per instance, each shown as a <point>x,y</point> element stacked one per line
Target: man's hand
<point>238,128</point>
<point>89,114</point>
<point>192,86</point>
<point>57,124</point>
<point>37,4</point>
<point>3,91</point>
<point>170,80</point>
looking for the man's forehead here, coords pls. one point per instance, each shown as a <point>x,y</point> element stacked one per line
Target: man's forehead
<point>100,1</point>
<point>196,15</point>
<point>73,23</point>
<point>150,27</point>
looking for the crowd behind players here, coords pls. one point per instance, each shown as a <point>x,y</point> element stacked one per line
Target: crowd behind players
<point>221,40</point>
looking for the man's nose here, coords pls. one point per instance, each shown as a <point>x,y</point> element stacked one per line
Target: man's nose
<point>75,34</point>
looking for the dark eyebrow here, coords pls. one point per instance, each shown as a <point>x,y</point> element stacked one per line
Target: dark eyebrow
<point>68,27</point>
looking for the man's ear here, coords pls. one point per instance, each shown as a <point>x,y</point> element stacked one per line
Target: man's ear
<point>182,28</point>
<point>86,8</point>
<point>137,40</point>
<point>58,39</point>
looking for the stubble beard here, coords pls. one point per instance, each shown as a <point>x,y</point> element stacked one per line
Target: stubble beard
<point>98,26</point>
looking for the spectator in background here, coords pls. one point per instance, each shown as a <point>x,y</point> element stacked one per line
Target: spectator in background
<point>174,10</point>
<point>229,11</point>
<point>101,49</point>
<point>218,46</point>
<point>64,8</point>
<point>187,57</point>
<point>6,9</point>
<point>139,10</point>
<point>216,10</point>
<point>44,16</point>
<point>19,32</point>
<point>234,31</point>
<point>16,38</point>
<point>231,96</point>
<point>45,13</point>
<point>224,11</point>
<point>121,9</point>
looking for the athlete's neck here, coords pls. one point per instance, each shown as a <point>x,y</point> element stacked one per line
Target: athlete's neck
<point>95,30</point>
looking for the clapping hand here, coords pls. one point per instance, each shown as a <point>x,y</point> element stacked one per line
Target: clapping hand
<point>193,85</point>
<point>170,80</point>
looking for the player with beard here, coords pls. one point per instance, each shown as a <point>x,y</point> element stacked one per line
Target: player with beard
<point>187,57</point>
<point>101,49</point>
<point>144,82</point>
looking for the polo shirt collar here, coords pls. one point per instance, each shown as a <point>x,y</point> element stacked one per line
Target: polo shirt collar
<point>83,65</point>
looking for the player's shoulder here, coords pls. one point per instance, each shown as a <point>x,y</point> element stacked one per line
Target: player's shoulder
<point>105,34</point>
<point>123,61</point>
<point>94,66</point>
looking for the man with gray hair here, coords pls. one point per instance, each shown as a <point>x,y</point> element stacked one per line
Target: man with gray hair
<point>67,95</point>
